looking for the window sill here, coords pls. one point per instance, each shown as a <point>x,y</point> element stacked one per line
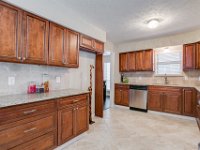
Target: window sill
<point>169,75</point>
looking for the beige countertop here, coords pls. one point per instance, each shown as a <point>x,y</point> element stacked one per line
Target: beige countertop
<point>160,84</point>
<point>11,100</point>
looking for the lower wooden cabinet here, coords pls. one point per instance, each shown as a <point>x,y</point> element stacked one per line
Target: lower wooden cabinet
<point>122,95</point>
<point>73,118</point>
<point>155,101</point>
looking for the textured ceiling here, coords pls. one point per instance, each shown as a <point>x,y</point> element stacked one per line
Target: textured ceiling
<point>125,20</point>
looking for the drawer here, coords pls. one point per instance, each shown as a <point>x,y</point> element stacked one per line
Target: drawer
<point>45,142</point>
<point>165,88</point>
<point>70,101</point>
<point>19,133</point>
<point>121,86</point>
<point>15,113</point>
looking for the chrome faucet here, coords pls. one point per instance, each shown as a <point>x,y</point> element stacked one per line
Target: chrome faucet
<point>166,80</point>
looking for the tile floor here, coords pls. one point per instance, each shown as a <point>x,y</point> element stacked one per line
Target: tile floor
<point>122,129</point>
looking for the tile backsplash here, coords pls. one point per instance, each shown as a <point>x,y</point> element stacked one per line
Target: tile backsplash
<point>23,73</point>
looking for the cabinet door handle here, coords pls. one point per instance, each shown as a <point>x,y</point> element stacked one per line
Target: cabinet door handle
<point>30,111</point>
<point>19,58</point>
<point>75,100</point>
<point>24,58</point>
<point>77,108</point>
<point>30,130</point>
<point>74,109</point>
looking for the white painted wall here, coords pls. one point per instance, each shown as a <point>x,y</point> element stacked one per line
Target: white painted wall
<point>53,10</point>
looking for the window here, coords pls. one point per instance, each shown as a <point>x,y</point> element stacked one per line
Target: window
<point>169,61</point>
<point>107,75</point>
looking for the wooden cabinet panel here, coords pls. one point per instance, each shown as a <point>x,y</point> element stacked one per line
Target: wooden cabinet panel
<point>123,59</point>
<point>118,96</point>
<point>172,103</point>
<point>189,56</point>
<point>10,29</point>
<point>45,142</point>
<point>125,98</point>
<point>82,119</point>
<point>99,46</point>
<point>189,102</point>
<point>86,42</point>
<point>131,61</point>
<point>66,125</point>
<point>147,60</point>
<point>198,55</point>
<point>56,45</point>
<point>35,40</point>
<point>72,49</point>
<point>155,101</point>
<point>139,61</point>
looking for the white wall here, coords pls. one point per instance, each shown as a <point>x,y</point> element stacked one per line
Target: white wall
<point>57,12</point>
<point>77,78</point>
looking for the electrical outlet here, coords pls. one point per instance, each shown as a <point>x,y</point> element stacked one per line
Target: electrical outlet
<point>58,79</point>
<point>11,80</point>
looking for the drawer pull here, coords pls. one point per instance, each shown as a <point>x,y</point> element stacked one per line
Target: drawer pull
<point>75,101</point>
<point>30,111</point>
<point>30,130</point>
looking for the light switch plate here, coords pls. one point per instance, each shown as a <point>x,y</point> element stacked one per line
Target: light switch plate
<point>58,79</point>
<point>11,80</point>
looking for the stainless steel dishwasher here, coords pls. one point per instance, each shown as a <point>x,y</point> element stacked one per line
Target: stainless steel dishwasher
<point>138,97</point>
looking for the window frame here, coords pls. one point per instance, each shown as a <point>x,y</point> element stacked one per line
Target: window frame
<point>158,51</point>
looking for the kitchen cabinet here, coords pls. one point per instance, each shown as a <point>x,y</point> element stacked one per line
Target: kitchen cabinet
<point>131,61</point>
<point>10,27</point>
<point>198,55</point>
<point>56,45</point>
<point>73,117</point>
<point>35,39</point>
<point>136,61</point>
<point>165,99</point>
<point>89,44</point>
<point>189,51</point>
<point>155,101</point>
<point>122,95</point>
<point>72,49</point>
<point>189,102</point>
<point>123,62</point>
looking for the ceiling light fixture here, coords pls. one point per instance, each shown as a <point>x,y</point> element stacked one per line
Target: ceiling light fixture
<point>153,23</point>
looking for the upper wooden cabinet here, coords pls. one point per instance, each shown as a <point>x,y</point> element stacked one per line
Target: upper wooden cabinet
<point>89,44</point>
<point>56,44</point>
<point>198,55</point>
<point>72,49</point>
<point>10,29</point>
<point>36,32</point>
<point>136,61</point>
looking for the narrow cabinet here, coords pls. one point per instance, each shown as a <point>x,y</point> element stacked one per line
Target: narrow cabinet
<point>198,55</point>
<point>122,95</point>
<point>10,27</point>
<point>139,61</point>
<point>131,61</point>
<point>189,56</point>
<point>56,45</point>
<point>35,39</point>
<point>72,49</point>
<point>123,62</point>
<point>155,101</point>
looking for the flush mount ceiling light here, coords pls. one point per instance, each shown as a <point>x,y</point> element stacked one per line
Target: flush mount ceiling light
<point>153,23</point>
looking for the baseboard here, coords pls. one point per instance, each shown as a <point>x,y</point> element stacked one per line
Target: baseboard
<point>172,115</point>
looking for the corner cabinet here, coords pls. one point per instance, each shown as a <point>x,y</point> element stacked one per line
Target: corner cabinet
<point>10,27</point>
<point>122,95</point>
<point>35,39</point>
<point>89,44</point>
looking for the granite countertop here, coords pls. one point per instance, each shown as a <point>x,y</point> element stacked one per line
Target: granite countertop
<point>11,100</point>
<point>160,84</point>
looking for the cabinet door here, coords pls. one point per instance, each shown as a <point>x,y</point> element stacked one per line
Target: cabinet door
<point>56,45</point>
<point>72,49</point>
<point>131,61</point>
<point>123,58</point>
<point>189,56</point>
<point>198,55</point>
<point>118,96</point>
<point>172,102</point>
<point>35,40</point>
<point>82,120</point>
<point>125,98</point>
<point>139,61</point>
<point>10,30</point>
<point>189,102</point>
<point>148,60</point>
<point>66,124</point>
<point>86,42</point>
<point>99,46</point>
<point>155,101</point>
